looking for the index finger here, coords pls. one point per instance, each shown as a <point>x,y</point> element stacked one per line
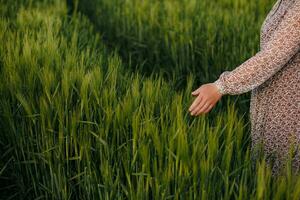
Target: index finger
<point>195,103</point>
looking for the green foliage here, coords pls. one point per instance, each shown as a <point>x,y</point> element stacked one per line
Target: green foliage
<point>75,124</point>
<point>180,36</point>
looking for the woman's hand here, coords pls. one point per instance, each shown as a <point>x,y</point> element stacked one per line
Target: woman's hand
<point>207,96</point>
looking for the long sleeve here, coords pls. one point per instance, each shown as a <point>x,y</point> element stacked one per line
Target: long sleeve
<point>281,47</point>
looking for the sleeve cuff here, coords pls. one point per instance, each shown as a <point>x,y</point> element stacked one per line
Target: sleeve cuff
<point>219,85</point>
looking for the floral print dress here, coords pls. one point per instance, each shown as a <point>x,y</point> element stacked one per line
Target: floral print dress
<point>273,77</point>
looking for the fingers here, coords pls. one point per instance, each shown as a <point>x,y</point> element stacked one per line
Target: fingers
<point>209,107</point>
<point>202,108</point>
<point>195,103</point>
<point>199,106</point>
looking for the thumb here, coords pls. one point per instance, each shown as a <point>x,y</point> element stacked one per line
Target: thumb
<point>196,92</point>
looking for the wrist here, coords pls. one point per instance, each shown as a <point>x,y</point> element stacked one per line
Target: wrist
<point>219,86</point>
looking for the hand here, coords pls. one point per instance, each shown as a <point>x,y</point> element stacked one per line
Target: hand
<point>207,96</point>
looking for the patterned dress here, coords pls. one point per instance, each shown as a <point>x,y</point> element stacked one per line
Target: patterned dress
<point>273,76</point>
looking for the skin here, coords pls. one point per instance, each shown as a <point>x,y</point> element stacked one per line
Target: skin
<point>207,95</point>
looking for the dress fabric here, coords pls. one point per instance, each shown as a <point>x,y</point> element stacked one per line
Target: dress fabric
<point>273,77</point>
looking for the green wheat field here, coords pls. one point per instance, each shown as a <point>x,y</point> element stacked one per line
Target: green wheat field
<point>94,99</point>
